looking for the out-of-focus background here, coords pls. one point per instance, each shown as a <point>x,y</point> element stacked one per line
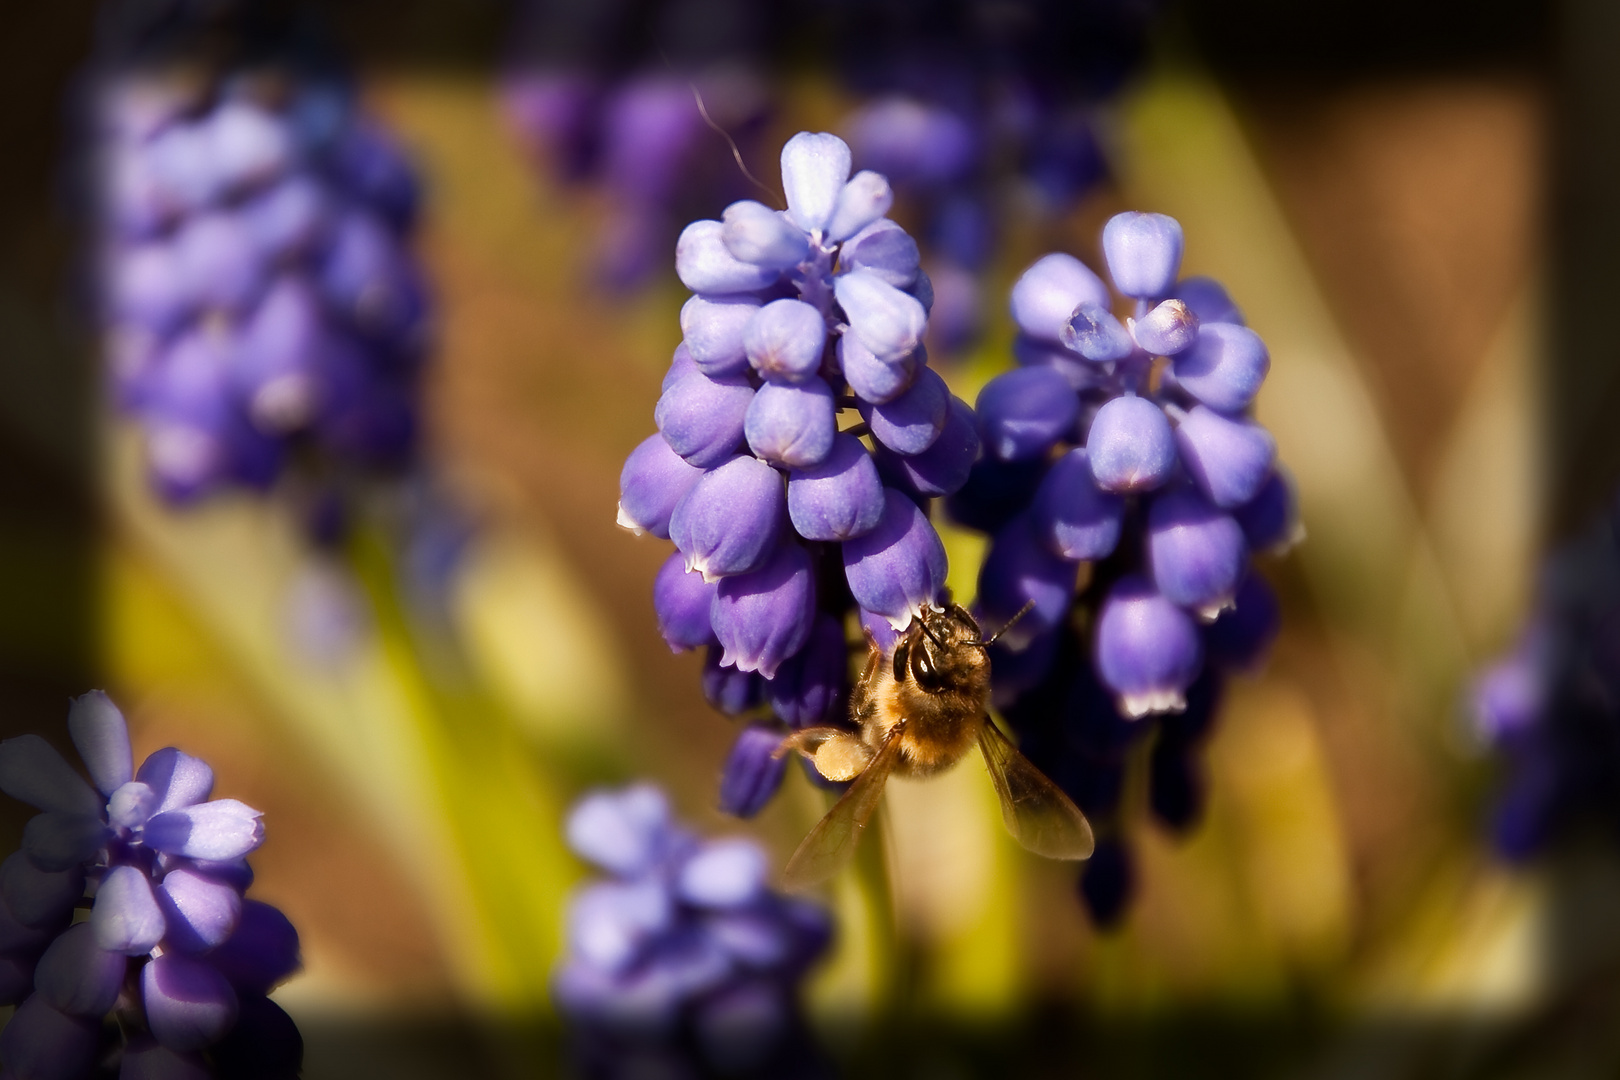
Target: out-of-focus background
<point>1411,205</point>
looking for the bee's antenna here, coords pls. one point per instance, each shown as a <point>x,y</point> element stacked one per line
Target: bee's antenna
<point>929,634</point>
<point>1008,625</point>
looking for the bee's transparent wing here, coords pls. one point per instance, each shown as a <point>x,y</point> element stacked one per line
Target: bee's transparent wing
<point>831,843</point>
<point>1034,809</point>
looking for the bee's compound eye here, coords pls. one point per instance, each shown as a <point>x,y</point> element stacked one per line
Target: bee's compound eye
<point>924,670</point>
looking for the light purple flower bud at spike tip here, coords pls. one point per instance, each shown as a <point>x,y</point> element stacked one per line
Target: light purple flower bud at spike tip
<point>31,771</point>
<point>765,617</point>
<point>199,911</point>
<point>865,199</point>
<point>911,422</point>
<point>1240,638</point>
<point>178,778</point>
<point>885,250</point>
<point>1143,253</point>
<point>705,265</point>
<point>792,424</point>
<point>1169,329</point>
<point>102,739</point>
<point>756,234</point>
<point>38,898</point>
<point>651,485</point>
<point>1073,517</point>
<point>702,418</point>
<point>839,498</point>
<point>899,566</point>
<point>875,380</point>
<point>680,366</point>
<point>943,468</point>
<point>1209,300</point>
<point>131,805</point>
<point>1270,520</point>
<point>79,977</point>
<point>262,952</point>
<point>147,289</point>
<point>1196,552</point>
<point>888,322</point>
<point>1048,294</point>
<point>1024,411</point>
<point>1147,649</point>
<point>217,262</point>
<point>1225,367</point>
<point>722,874</point>
<point>785,339</point>
<point>726,689</point>
<point>1229,457</point>
<point>715,329</point>
<point>126,917</point>
<point>729,520</point>
<point>56,840</point>
<point>1131,446</point>
<point>815,168</point>
<point>41,1043</point>
<point>248,146</point>
<point>1095,334</point>
<point>147,1059</point>
<point>221,830</point>
<point>621,831</point>
<point>1017,569</point>
<point>681,600</point>
<point>189,1005</point>
<point>751,775</point>
<point>808,685</point>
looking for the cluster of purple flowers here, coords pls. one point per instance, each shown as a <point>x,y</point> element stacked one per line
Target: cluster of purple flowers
<point>1550,708</point>
<point>590,101</point>
<point>1126,446</point>
<point>972,107</point>
<point>257,295</point>
<point>781,521</point>
<point>683,962</point>
<point>165,944</point>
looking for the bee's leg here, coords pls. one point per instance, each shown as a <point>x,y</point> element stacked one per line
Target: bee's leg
<point>837,754</point>
<point>860,698</point>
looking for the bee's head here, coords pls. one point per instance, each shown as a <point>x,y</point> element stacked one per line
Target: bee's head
<point>941,650</point>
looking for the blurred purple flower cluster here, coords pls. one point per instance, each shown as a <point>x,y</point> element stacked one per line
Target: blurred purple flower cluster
<point>974,108</point>
<point>591,102</point>
<point>1550,707</point>
<point>170,947</point>
<point>683,962</point>
<point>783,522</point>
<point>1125,446</point>
<point>258,298</point>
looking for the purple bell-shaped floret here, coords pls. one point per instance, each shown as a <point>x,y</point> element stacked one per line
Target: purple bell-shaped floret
<point>728,523</point>
<point>1094,333</point>
<point>874,380</point>
<point>1023,412</point>
<point>1168,329</point>
<point>1019,569</point>
<point>807,686</point>
<point>702,417</point>
<point>944,467</point>
<point>752,773</point>
<point>839,498</point>
<point>911,422</point>
<point>899,566</point>
<point>785,340</point>
<point>890,323</point>
<point>1131,446</point>
<point>1072,515</point>
<point>792,424</point>
<point>715,330</point>
<point>1225,367</point>
<point>754,233</point>
<point>705,265</point>
<point>1195,552</point>
<point>815,167</point>
<point>1229,458</point>
<point>764,617</point>
<point>653,481</point>
<point>1147,649</point>
<point>681,601</point>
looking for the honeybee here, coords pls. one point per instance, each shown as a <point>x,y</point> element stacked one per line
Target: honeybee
<point>920,710</point>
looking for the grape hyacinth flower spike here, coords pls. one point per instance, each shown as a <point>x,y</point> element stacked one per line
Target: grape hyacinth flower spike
<point>256,291</point>
<point>171,947</point>
<point>785,522</point>
<point>1125,442</point>
<point>681,958</point>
